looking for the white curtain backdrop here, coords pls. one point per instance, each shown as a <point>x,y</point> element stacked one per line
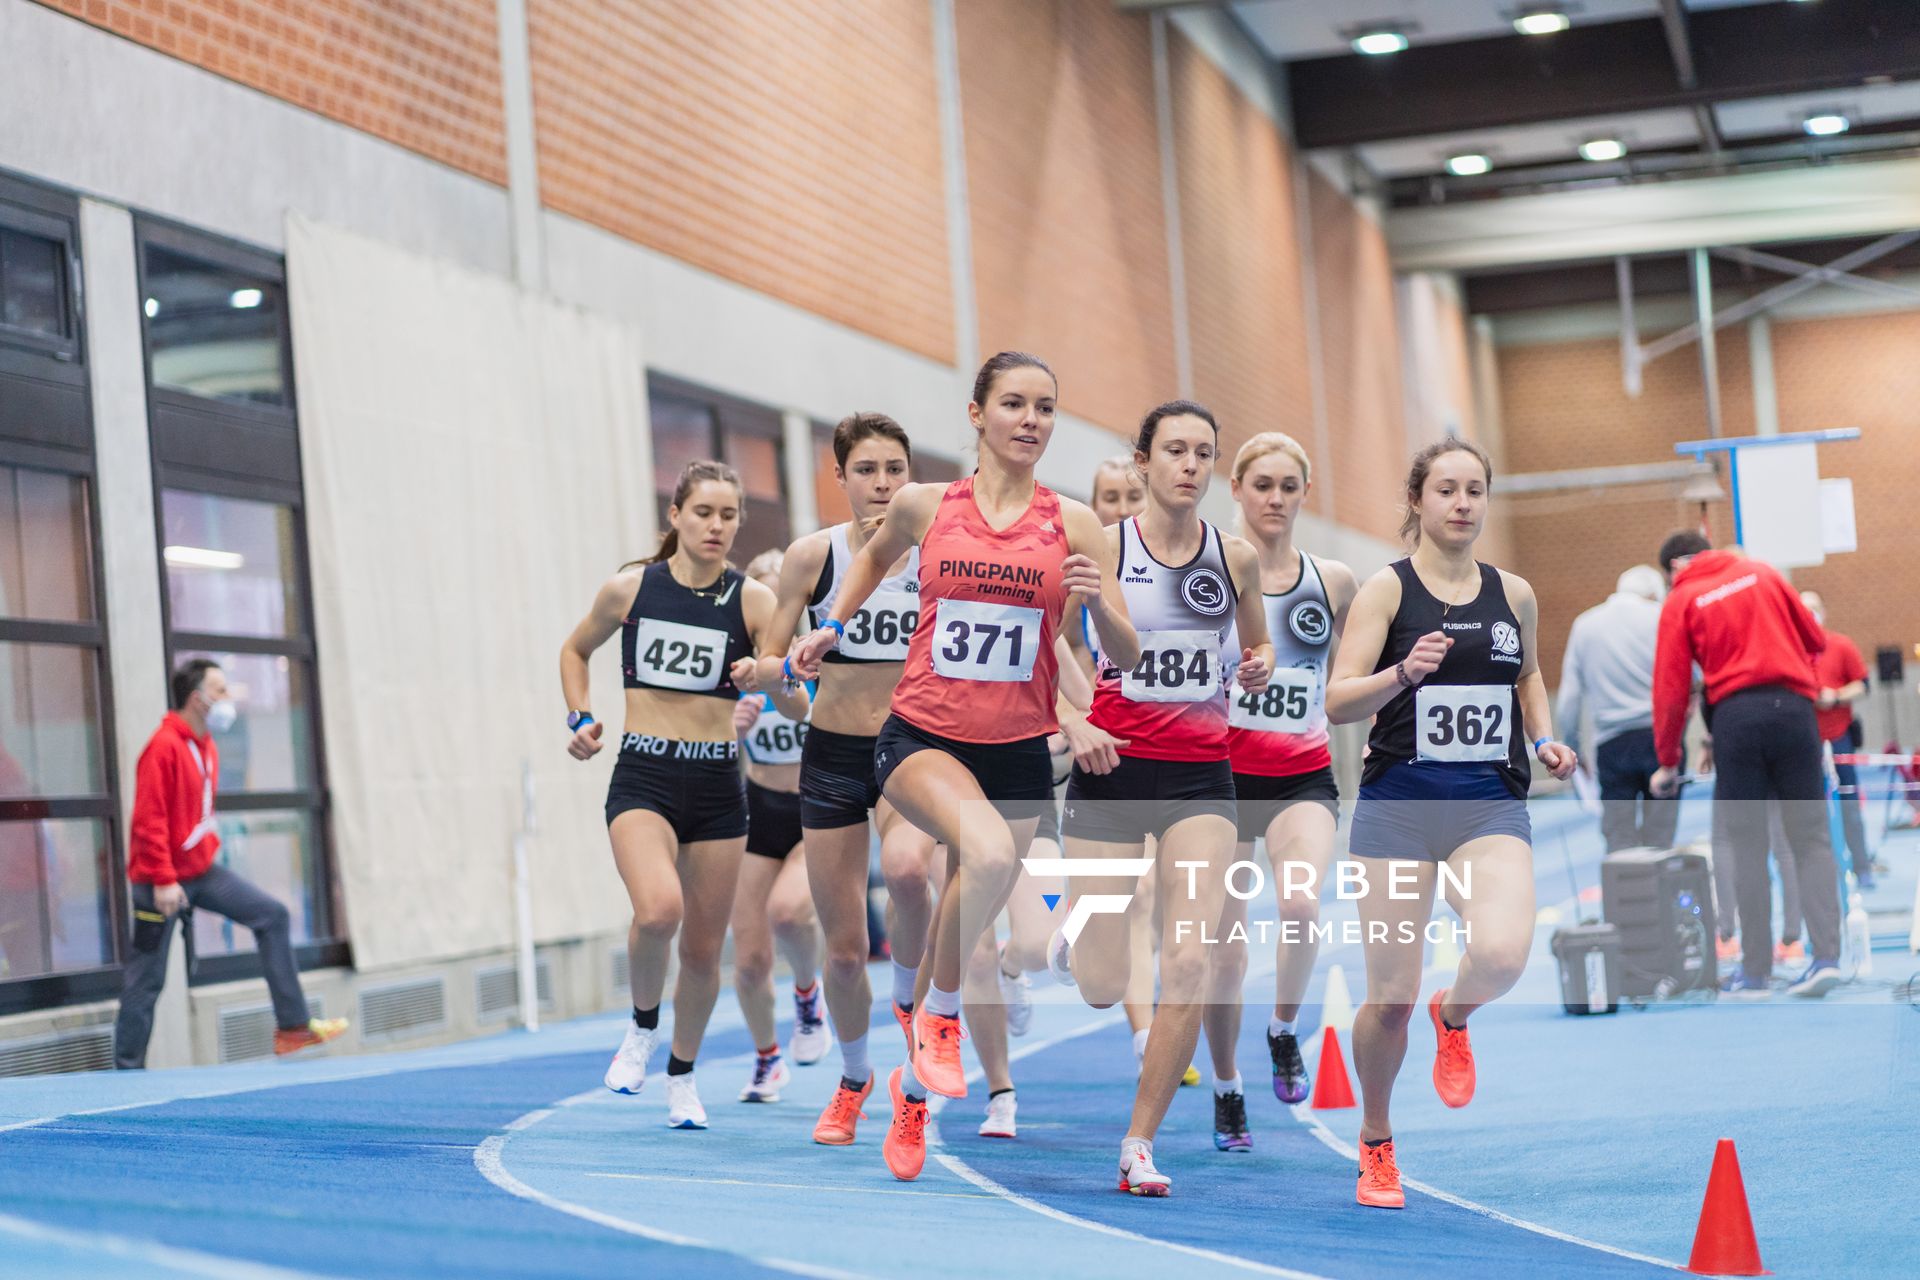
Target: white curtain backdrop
<point>477,461</point>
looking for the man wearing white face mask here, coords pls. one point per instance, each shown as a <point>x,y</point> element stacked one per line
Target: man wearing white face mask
<point>170,860</point>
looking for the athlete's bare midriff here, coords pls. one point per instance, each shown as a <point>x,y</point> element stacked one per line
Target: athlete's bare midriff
<point>854,697</point>
<point>681,717</point>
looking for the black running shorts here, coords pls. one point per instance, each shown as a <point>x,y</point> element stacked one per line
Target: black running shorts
<point>695,786</point>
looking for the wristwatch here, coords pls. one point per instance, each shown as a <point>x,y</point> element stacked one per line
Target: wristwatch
<point>577,718</point>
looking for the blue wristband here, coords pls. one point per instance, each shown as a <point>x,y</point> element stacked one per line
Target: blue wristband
<point>839,628</point>
<point>1539,742</point>
<point>575,719</point>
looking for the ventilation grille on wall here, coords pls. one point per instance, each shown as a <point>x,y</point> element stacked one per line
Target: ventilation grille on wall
<point>246,1030</point>
<point>89,1049</point>
<point>403,1009</point>
<point>622,978</point>
<point>496,990</point>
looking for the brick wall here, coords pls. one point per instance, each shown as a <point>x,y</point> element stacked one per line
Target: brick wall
<point>1360,353</point>
<point>1064,195</point>
<point>791,147</point>
<point>424,75</point>
<point>1241,246</point>
<point>1564,406</point>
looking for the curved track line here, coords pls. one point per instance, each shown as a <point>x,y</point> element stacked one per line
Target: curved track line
<point>1302,1112</point>
<point>487,1160</point>
<point>960,1168</point>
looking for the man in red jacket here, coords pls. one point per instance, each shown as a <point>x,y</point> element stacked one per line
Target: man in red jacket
<point>1755,645</point>
<point>170,861</point>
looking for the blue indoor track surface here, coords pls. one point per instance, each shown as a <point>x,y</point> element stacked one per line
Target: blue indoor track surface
<point>1585,1151</point>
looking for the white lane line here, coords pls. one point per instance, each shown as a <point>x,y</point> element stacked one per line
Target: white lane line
<point>793,1186</point>
<point>146,1253</point>
<point>487,1160</point>
<point>962,1169</point>
<point>1303,1112</point>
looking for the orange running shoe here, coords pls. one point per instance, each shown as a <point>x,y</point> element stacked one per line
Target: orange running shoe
<point>903,1014</point>
<point>843,1115</point>
<point>318,1031</point>
<point>936,1057</point>
<point>1787,952</point>
<point>1379,1178</point>
<point>906,1143</point>
<point>1453,1064</point>
<point>1726,949</point>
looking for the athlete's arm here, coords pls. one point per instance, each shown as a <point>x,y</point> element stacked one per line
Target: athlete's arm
<point>761,609</point>
<point>1256,659</point>
<point>1071,687</point>
<point>1354,689</point>
<point>1536,712</point>
<point>799,571</point>
<point>1091,580</point>
<point>908,518</point>
<point>609,610</point>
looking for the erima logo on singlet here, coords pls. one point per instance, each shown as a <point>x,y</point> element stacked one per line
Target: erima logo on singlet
<point>1310,621</point>
<point>1205,592</point>
<point>1138,574</point>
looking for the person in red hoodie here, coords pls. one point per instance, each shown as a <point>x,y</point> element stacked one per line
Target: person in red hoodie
<point>171,862</point>
<point>1755,643</point>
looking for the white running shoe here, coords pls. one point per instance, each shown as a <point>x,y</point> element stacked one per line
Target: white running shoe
<point>770,1075</point>
<point>999,1122</point>
<point>1016,993</point>
<point>1137,1173</point>
<point>683,1104</point>
<point>810,1039</point>
<point>628,1071</point>
<point>1060,959</point>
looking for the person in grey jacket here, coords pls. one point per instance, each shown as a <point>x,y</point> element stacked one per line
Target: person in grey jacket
<point>1608,675</point>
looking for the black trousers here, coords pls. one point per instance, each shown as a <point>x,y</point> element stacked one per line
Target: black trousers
<point>1850,819</point>
<point>1631,817</point>
<point>1766,746</point>
<point>225,893</point>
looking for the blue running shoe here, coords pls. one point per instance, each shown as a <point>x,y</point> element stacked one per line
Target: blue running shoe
<point>1737,987</point>
<point>1230,1122</point>
<point>1290,1078</point>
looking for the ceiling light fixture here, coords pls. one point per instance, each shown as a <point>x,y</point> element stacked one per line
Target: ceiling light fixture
<point>1469,165</point>
<point>1541,22</point>
<point>1826,123</point>
<point>203,558</point>
<point>245,299</point>
<point>1379,42</point>
<point>1602,149</point>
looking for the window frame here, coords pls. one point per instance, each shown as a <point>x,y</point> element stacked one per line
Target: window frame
<point>69,452</point>
<point>260,461</point>
<point>731,416</point>
<point>34,210</point>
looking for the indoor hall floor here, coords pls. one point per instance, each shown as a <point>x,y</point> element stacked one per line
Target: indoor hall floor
<point>1585,1151</point>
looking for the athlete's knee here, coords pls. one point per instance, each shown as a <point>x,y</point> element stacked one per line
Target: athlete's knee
<point>272,917</point>
<point>1227,964</point>
<point>752,965</point>
<point>659,919</point>
<point>905,875</point>
<point>1391,1014</point>
<point>1025,956</point>
<point>1499,962</point>
<point>1183,973</point>
<point>1300,910</point>
<point>990,855</point>
<point>790,917</point>
<point>702,954</point>
<point>846,958</point>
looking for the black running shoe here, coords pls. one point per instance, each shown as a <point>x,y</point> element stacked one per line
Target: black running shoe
<point>1230,1122</point>
<point>1290,1079</point>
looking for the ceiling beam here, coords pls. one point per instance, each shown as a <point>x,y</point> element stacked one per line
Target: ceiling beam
<point>1860,198</point>
<point>1605,68</point>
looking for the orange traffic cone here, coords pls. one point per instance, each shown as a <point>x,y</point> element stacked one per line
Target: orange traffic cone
<point>1331,1091</point>
<point>1723,1244</point>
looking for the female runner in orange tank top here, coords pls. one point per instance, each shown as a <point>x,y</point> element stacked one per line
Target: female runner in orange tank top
<point>964,754</point>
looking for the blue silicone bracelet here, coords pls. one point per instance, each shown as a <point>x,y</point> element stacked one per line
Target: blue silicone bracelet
<point>839,627</point>
<point>1540,741</point>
